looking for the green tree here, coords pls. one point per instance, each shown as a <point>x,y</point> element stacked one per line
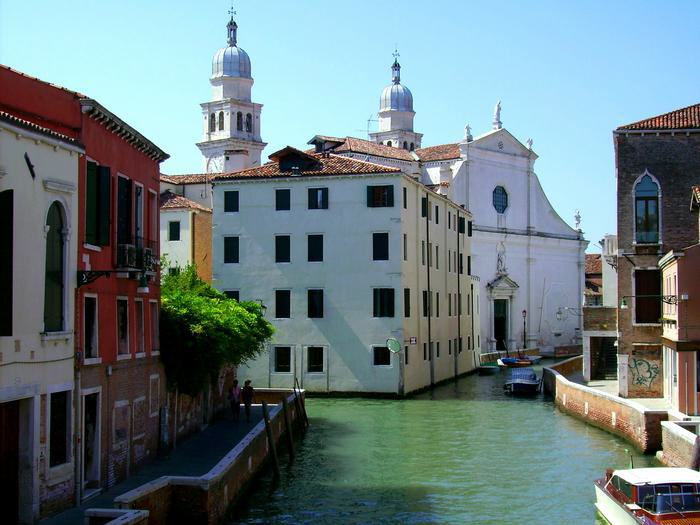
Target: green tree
<point>201,330</point>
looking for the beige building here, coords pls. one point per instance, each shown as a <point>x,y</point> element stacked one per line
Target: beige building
<point>38,236</point>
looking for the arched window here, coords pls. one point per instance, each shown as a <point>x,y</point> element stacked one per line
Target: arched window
<point>212,122</point>
<point>500,199</point>
<point>239,121</point>
<point>54,275</point>
<point>249,123</point>
<point>221,120</point>
<point>412,146</point>
<point>405,145</point>
<point>646,210</point>
<point>388,143</point>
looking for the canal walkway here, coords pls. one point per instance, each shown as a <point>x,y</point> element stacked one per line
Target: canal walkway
<point>610,386</point>
<point>195,456</point>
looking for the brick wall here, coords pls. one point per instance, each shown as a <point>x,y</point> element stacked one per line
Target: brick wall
<point>679,446</point>
<point>626,419</point>
<point>201,240</point>
<point>674,160</point>
<point>599,318</point>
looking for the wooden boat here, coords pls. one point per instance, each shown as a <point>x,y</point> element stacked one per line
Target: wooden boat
<point>649,496</point>
<point>513,362</point>
<point>522,381</point>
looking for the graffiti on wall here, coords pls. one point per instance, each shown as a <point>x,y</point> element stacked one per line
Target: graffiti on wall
<point>643,372</point>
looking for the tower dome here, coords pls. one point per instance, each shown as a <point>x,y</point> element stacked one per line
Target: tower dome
<point>396,96</point>
<point>231,61</point>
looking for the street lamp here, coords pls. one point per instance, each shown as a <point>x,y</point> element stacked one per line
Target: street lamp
<point>524,330</point>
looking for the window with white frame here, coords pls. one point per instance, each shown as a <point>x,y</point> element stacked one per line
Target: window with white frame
<point>90,327</point>
<point>140,327</point>
<point>646,210</point>
<point>155,327</point>
<point>123,326</point>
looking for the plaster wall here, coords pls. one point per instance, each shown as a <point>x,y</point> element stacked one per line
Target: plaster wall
<point>178,253</point>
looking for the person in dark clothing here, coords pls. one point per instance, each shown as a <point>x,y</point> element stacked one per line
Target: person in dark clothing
<point>247,395</point>
<point>234,397</point>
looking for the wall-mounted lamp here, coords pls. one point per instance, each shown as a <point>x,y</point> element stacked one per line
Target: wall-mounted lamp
<point>668,299</point>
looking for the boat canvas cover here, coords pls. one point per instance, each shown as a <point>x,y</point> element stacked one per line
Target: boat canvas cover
<point>654,475</point>
<point>523,375</point>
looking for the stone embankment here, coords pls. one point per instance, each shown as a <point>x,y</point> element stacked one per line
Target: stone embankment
<point>623,417</point>
<point>205,500</point>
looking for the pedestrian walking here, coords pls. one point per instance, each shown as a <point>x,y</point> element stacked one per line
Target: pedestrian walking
<point>234,397</point>
<point>247,395</point>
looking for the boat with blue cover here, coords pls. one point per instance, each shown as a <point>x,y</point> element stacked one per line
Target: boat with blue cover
<point>522,381</point>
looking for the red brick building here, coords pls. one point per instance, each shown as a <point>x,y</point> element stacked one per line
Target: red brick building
<point>657,164</point>
<point>121,384</point>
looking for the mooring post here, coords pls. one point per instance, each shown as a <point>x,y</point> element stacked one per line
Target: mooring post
<point>271,439</point>
<point>287,424</point>
<point>303,405</point>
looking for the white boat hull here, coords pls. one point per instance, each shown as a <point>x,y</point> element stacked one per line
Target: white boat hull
<point>612,511</point>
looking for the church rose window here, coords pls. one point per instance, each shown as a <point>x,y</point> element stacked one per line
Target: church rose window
<point>500,199</point>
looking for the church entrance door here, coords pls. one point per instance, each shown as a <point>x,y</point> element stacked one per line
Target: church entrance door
<point>500,323</point>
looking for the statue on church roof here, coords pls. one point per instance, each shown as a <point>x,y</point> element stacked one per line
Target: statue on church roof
<point>497,124</point>
<point>468,133</point>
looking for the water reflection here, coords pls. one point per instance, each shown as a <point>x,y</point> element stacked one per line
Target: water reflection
<point>462,453</point>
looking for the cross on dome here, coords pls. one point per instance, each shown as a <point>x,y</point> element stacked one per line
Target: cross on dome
<point>396,67</point>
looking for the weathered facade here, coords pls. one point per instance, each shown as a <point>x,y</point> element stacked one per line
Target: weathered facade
<point>657,164</point>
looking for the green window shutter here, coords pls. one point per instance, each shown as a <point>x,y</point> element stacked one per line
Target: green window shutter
<point>92,205</point>
<point>370,193</point>
<point>53,282</point>
<point>104,213</point>
<point>324,198</point>
<point>390,196</point>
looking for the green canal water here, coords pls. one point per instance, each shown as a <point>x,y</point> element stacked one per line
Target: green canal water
<point>463,453</point>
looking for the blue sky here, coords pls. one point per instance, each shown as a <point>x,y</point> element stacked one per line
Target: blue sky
<point>567,73</point>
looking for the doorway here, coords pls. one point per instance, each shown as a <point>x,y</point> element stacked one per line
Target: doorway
<point>500,323</point>
<point>9,461</point>
<point>91,444</point>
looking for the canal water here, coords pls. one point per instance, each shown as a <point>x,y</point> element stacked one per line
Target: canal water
<point>463,453</point>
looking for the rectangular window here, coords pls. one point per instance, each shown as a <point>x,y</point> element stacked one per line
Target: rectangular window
<point>449,346</point>
<point>383,302</point>
<point>282,248</point>
<point>437,214</point>
<point>140,327</point>
<point>407,302</point>
<point>460,345</point>
<point>6,261</point>
<point>230,250</point>
<point>449,220</point>
<point>425,352</point>
<point>123,326</point>
<point>283,304</point>
<point>469,264</point>
<point>318,198</point>
<point>283,359</point>
<point>90,328</point>
<point>430,255</point>
<point>380,196</point>
<point>422,252</point>
<point>405,355</point>
<point>174,230</point>
<point>424,207</point>
<point>314,359</point>
<point>282,200</point>
<point>469,342</point>
<point>437,349</point>
<point>437,257</point>
<point>405,247</point>
<point>380,246</point>
<point>449,305</point>
<point>461,222</point>
<point>124,211</point>
<point>469,229</point>
<point>233,294</point>
<point>230,201</point>
<point>59,425</point>
<point>437,304</point>
<point>449,261</point>
<point>382,356</point>
<point>426,310</point>
<point>315,304</point>
<point>405,199</point>
<point>647,291</point>
<point>97,204</point>
<point>315,248</point>
<point>647,219</point>
<point>155,326</point>
<point>461,263</point>
<point>459,303</point>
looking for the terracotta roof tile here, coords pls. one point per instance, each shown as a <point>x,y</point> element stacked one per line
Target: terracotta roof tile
<point>441,152</point>
<point>190,178</point>
<point>594,263</point>
<point>172,201</point>
<point>327,165</point>
<point>22,123</point>
<point>367,147</point>
<point>684,118</point>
